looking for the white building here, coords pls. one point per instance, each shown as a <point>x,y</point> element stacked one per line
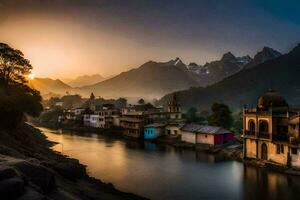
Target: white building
<point>94,120</point>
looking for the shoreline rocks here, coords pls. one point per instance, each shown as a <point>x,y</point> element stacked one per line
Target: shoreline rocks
<point>30,170</point>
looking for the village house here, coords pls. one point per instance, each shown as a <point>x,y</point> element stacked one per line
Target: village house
<point>202,134</point>
<point>78,111</point>
<point>153,131</point>
<point>174,117</point>
<point>133,124</point>
<point>104,116</point>
<point>271,131</point>
<point>135,117</point>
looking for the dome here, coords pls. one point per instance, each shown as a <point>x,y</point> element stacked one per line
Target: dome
<point>271,99</point>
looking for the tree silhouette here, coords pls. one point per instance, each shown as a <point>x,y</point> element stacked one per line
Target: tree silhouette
<point>16,97</point>
<point>13,66</point>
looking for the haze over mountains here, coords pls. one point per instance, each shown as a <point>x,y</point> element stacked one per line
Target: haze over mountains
<point>155,79</point>
<point>48,85</point>
<point>244,87</point>
<point>85,80</point>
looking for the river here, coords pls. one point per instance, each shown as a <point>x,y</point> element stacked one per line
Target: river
<point>162,172</point>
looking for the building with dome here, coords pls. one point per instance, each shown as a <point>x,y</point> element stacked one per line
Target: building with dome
<point>271,131</point>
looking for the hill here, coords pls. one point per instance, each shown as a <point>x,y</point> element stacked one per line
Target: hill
<point>47,85</point>
<point>85,80</point>
<point>152,79</point>
<point>281,74</point>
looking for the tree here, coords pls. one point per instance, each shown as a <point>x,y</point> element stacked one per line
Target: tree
<point>52,101</point>
<point>16,98</point>
<point>13,66</point>
<point>141,101</point>
<point>237,125</point>
<point>71,101</point>
<point>192,115</point>
<point>121,103</point>
<point>221,116</point>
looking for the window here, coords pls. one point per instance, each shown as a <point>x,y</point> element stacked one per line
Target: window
<point>263,127</point>
<point>205,135</point>
<point>175,132</point>
<point>251,126</point>
<point>169,132</point>
<point>294,151</point>
<point>282,148</point>
<point>278,148</point>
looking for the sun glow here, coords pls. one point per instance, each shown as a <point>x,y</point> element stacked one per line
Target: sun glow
<point>31,76</point>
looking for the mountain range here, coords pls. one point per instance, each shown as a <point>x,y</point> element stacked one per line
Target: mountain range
<point>48,85</point>
<point>244,87</point>
<point>85,80</point>
<point>155,79</point>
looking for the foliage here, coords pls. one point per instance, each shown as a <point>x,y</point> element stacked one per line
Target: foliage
<point>237,125</point>
<point>141,102</point>
<point>50,117</point>
<point>13,66</point>
<point>52,101</point>
<point>16,98</point>
<point>192,115</point>
<point>121,103</point>
<point>71,101</point>
<point>221,116</point>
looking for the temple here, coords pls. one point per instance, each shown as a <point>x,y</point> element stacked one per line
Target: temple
<point>271,131</point>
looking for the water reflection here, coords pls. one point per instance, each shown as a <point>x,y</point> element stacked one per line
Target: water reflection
<point>269,185</point>
<point>163,172</point>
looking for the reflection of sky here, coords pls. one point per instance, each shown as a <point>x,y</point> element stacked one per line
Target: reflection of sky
<point>111,36</point>
<point>163,172</point>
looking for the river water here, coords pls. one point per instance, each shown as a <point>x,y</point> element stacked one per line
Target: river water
<point>162,172</point>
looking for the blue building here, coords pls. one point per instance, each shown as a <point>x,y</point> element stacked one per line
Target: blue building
<point>152,131</point>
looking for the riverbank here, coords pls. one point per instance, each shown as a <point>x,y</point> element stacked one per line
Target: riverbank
<point>29,169</point>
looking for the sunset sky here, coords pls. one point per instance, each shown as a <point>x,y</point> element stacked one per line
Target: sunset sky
<point>67,38</point>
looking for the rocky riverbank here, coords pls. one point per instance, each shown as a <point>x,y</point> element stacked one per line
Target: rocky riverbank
<point>30,170</point>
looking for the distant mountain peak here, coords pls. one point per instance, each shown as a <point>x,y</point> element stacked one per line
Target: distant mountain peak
<point>262,56</point>
<point>178,61</point>
<point>267,53</point>
<point>268,50</point>
<point>228,56</point>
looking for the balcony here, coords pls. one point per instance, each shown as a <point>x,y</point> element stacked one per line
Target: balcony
<point>250,133</point>
<point>264,135</point>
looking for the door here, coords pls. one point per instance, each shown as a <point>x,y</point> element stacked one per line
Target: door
<point>264,152</point>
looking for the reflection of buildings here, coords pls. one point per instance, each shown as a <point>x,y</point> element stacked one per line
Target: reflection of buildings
<point>264,184</point>
<point>271,131</point>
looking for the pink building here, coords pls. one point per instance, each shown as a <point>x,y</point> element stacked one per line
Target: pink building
<point>200,134</point>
